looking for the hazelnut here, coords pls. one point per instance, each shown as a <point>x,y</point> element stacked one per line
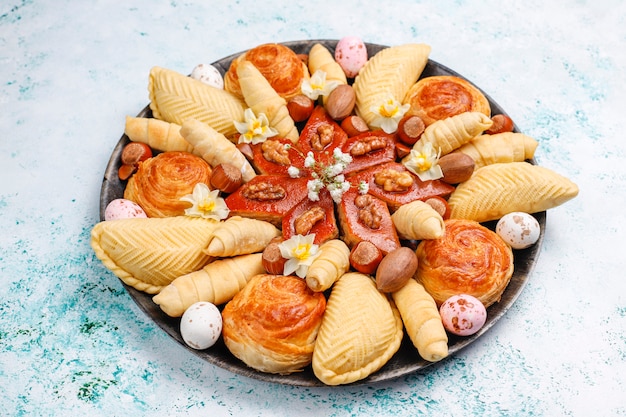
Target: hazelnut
<point>300,107</point>
<point>354,125</point>
<point>226,178</point>
<point>410,128</point>
<point>365,257</point>
<point>272,260</point>
<point>501,123</point>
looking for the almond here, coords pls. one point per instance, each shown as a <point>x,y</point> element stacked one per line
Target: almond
<point>341,102</point>
<point>456,167</point>
<point>396,269</point>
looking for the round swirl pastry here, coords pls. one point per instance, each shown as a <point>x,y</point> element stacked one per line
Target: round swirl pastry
<point>442,96</point>
<point>468,259</point>
<point>280,65</point>
<point>162,180</point>
<point>272,324</point>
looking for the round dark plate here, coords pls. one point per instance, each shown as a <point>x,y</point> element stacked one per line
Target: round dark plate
<point>406,360</point>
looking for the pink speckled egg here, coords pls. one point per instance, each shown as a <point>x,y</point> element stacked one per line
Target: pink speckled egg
<point>121,208</point>
<point>208,74</point>
<point>351,55</point>
<point>518,229</point>
<point>463,314</point>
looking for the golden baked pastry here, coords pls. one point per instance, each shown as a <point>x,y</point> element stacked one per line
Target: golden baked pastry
<point>497,189</point>
<point>442,96</point>
<point>388,75</point>
<point>217,283</point>
<point>158,134</point>
<point>162,180</point>
<point>500,147</point>
<point>261,97</point>
<point>360,332</point>
<point>468,259</point>
<point>175,98</point>
<point>271,325</point>
<point>240,236</point>
<point>149,253</point>
<point>284,70</point>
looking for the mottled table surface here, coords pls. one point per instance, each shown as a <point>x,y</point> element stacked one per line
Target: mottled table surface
<point>73,342</point>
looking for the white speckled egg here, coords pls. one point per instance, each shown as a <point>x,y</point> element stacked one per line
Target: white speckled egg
<point>201,325</point>
<point>208,74</point>
<point>463,314</point>
<point>518,229</point>
<point>121,208</point>
<point>351,55</point>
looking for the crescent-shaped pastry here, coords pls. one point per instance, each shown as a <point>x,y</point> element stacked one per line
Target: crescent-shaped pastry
<point>500,147</point>
<point>468,259</point>
<point>272,324</point>
<point>332,262</point>
<point>361,330</point>
<point>157,134</point>
<point>417,221</point>
<point>240,236</point>
<point>497,189</point>
<point>175,98</point>
<point>442,96</point>
<point>216,283</point>
<point>281,66</point>
<point>388,75</point>
<point>320,58</point>
<point>162,180</point>
<point>215,148</point>
<point>449,134</point>
<point>422,321</point>
<point>262,98</point>
<point>149,253</point>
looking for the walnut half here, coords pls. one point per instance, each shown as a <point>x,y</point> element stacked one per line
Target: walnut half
<point>366,145</point>
<point>264,191</point>
<point>393,181</point>
<point>322,137</point>
<point>274,151</point>
<point>369,214</point>
<point>305,222</point>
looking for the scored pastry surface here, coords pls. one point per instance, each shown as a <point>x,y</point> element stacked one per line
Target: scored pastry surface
<point>361,330</point>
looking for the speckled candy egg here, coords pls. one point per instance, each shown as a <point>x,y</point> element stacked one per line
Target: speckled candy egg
<point>201,325</point>
<point>463,314</point>
<point>208,74</point>
<point>520,230</point>
<point>121,208</point>
<point>351,55</point>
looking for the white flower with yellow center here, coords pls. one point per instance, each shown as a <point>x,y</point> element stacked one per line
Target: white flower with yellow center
<point>206,203</point>
<point>317,85</point>
<point>424,164</point>
<point>254,129</point>
<point>300,252</point>
<point>388,115</point>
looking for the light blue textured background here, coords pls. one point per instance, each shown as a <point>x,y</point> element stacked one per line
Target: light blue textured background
<point>72,342</point>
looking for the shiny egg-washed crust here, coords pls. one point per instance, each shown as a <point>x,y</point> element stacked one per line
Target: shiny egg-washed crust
<point>498,189</point>
<point>361,330</point>
<point>149,253</point>
<point>272,324</point>
<point>388,75</point>
<point>162,180</point>
<point>280,65</point>
<point>175,98</point>
<point>442,96</point>
<point>468,259</point>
